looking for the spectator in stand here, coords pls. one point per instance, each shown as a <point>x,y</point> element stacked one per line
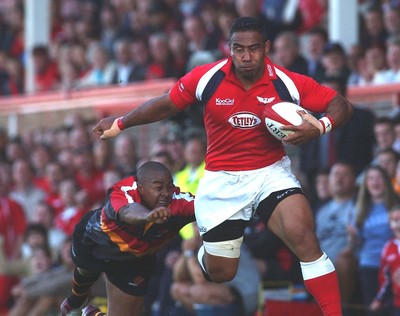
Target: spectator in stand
<point>71,213</point>
<point>384,133</point>
<point>69,73</point>
<point>24,190</point>
<point>283,16</point>
<point>373,61</point>
<point>316,40</point>
<point>88,178</point>
<point>198,37</point>
<point>371,229</point>
<point>109,28</point>
<point>125,154</point>
<point>45,215</point>
<point>392,74</point>
<point>102,155</point>
<point>54,174</point>
<point>46,71</point>
<point>14,81</point>
<point>389,287</point>
<point>160,18</point>
<point>140,58</point>
<point>313,14</point>
<point>334,60</point>
<point>12,228</point>
<point>188,178</point>
<point>322,193</point>
<point>15,149</point>
<point>387,159</point>
<point>124,65</point>
<point>226,17</point>
<point>286,53</point>
<point>110,177</point>
<point>15,17</point>
<point>332,220</point>
<point>102,68</point>
<point>179,49</point>
<point>5,33</point>
<point>162,64</point>
<point>391,20</point>
<point>78,135</point>
<point>39,158</point>
<point>40,261</point>
<point>78,58</point>
<point>373,30</point>
<point>194,293</point>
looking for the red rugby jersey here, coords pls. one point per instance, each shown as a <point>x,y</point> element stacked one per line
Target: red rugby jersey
<point>117,240</point>
<point>237,137</point>
<point>390,264</point>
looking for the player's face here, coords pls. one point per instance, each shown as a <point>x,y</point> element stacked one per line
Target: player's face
<point>248,50</point>
<point>156,190</point>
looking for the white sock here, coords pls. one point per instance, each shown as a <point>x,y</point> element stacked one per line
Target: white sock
<point>314,269</point>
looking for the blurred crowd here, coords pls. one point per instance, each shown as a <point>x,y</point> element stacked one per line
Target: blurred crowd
<point>50,177</point>
<point>105,42</point>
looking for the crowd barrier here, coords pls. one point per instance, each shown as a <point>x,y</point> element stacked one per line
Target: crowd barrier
<point>19,114</point>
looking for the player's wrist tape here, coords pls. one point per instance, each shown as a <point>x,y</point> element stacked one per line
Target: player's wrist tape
<point>327,124</point>
<point>120,124</point>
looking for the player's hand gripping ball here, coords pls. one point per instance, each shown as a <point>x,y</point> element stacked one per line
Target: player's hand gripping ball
<point>280,114</point>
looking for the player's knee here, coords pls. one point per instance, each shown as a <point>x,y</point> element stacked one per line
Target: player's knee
<point>220,275</point>
<point>223,259</point>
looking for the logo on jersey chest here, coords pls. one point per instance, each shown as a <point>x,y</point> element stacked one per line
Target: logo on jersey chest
<point>244,120</point>
<point>226,101</point>
<point>265,100</point>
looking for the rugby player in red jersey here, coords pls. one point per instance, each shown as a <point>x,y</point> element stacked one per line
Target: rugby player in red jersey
<point>247,170</point>
<point>141,214</point>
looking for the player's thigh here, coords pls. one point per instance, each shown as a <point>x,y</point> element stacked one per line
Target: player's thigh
<point>122,304</point>
<point>292,221</point>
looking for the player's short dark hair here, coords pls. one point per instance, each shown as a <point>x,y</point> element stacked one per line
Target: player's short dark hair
<point>144,170</point>
<point>248,24</point>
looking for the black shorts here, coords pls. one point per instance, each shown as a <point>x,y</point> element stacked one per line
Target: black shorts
<point>234,229</point>
<point>130,276</point>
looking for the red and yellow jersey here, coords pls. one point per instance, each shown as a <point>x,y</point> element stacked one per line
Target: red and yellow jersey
<point>237,137</point>
<point>119,240</point>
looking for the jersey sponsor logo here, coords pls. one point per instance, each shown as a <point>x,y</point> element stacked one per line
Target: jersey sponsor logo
<point>227,101</point>
<point>265,100</point>
<point>244,120</point>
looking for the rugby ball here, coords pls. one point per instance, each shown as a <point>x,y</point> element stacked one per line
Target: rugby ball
<point>280,114</point>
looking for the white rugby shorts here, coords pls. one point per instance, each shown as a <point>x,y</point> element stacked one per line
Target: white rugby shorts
<point>233,195</point>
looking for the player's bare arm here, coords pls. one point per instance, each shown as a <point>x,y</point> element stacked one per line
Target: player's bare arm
<point>151,111</point>
<point>136,214</point>
<point>339,110</point>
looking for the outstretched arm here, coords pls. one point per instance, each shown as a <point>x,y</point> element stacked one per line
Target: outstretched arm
<point>153,110</point>
<point>136,214</point>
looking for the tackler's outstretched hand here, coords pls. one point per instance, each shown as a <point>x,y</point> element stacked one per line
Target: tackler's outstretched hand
<point>159,215</point>
<point>108,127</point>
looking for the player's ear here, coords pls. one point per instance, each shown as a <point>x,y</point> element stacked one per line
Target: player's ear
<point>140,187</point>
<point>267,46</point>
